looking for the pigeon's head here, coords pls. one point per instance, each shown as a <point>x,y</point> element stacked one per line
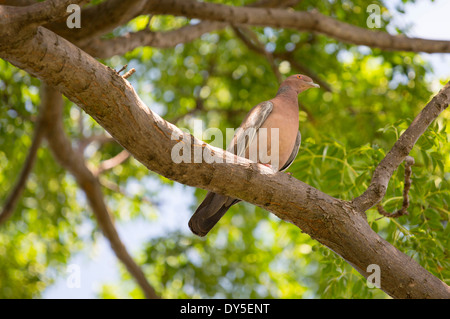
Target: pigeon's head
<point>300,82</point>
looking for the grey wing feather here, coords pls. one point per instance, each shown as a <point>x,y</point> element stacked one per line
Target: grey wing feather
<point>294,153</point>
<point>214,206</point>
<point>250,125</point>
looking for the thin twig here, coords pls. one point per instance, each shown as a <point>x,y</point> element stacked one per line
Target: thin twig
<point>116,188</point>
<point>251,40</point>
<point>288,56</point>
<point>409,161</point>
<point>129,73</point>
<point>112,162</point>
<point>123,68</point>
<point>100,138</point>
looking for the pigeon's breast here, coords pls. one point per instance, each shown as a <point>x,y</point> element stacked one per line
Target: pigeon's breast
<point>281,132</point>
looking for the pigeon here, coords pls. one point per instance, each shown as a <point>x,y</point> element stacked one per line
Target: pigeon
<point>279,113</point>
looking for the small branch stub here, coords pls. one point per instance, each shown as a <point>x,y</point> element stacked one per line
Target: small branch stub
<point>123,68</point>
<point>129,73</point>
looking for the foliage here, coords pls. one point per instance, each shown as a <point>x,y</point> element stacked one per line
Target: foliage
<point>251,254</point>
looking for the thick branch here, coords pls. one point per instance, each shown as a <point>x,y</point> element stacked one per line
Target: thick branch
<point>100,19</point>
<point>382,174</point>
<point>298,20</point>
<point>35,14</point>
<point>18,3</point>
<point>105,48</point>
<point>274,3</point>
<point>113,103</point>
<point>108,15</point>
<point>74,162</point>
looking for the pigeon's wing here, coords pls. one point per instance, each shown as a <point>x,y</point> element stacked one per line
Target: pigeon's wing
<point>294,153</point>
<point>214,206</point>
<point>247,131</point>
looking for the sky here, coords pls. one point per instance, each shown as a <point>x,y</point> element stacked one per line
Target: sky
<point>98,265</point>
<point>430,21</point>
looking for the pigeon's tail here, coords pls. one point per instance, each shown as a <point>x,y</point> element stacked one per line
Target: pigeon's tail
<point>210,211</point>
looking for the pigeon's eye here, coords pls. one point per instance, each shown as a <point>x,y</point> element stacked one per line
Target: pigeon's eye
<point>299,77</point>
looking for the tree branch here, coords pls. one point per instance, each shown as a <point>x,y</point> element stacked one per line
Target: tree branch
<point>274,3</point>
<point>100,19</point>
<point>337,224</point>
<point>74,162</point>
<point>17,3</point>
<point>112,162</point>
<point>116,188</point>
<point>100,138</point>
<point>15,18</point>
<point>299,20</point>
<point>13,198</point>
<point>288,56</point>
<point>106,48</point>
<point>252,42</point>
<point>409,161</point>
<point>383,172</point>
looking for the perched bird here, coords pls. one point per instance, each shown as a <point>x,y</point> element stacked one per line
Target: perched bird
<point>280,113</point>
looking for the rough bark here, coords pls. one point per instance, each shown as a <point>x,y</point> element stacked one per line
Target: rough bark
<point>401,149</point>
<point>100,19</point>
<point>104,48</point>
<point>297,20</point>
<point>113,103</point>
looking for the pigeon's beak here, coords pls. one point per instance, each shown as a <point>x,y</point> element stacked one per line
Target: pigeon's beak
<point>312,84</point>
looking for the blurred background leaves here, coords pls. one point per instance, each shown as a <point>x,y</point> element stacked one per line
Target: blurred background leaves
<point>373,97</point>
